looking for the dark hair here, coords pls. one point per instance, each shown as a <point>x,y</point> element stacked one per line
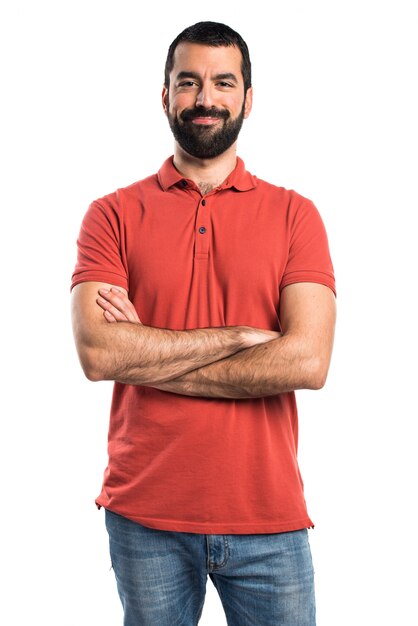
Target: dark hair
<point>211,34</point>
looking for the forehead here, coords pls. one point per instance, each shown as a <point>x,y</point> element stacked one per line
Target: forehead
<point>203,59</point>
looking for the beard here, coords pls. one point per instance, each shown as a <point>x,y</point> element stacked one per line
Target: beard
<point>205,142</point>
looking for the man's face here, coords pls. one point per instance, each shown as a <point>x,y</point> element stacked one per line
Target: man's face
<point>205,102</point>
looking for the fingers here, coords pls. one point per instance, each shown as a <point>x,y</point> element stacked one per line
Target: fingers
<point>109,317</point>
<point>116,306</point>
<point>259,336</point>
<point>266,337</point>
<point>110,312</point>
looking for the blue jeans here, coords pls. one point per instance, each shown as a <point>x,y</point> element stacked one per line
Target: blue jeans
<point>262,580</point>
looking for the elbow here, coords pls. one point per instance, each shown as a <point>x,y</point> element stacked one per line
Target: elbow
<point>317,373</point>
<point>317,382</point>
<point>91,365</point>
<point>93,375</point>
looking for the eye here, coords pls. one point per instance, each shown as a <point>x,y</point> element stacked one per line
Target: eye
<point>225,85</point>
<point>187,83</point>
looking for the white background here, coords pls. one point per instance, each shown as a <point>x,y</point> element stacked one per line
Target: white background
<point>335,117</point>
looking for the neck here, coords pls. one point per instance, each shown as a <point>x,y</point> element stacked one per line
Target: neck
<point>206,173</point>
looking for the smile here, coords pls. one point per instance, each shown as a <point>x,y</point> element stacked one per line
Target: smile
<point>206,121</point>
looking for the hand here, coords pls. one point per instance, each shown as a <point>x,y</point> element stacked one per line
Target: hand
<point>116,306</point>
<point>257,336</point>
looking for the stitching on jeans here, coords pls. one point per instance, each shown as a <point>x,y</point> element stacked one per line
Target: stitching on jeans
<point>226,555</point>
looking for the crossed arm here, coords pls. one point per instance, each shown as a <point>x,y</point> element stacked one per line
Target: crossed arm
<point>230,362</point>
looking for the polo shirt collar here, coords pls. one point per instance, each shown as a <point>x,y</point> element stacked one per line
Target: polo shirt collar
<point>239,178</point>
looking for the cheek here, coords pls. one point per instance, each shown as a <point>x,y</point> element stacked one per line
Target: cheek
<point>174,110</point>
<point>179,102</point>
<point>234,104</point>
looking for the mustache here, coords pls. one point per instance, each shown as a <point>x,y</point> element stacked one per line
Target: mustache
<point>191,114</point>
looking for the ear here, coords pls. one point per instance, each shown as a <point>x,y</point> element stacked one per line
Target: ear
<point>164,96</point>
<point>248,102</point>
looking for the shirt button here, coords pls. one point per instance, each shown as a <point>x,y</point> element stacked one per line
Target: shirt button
<point>202,230</point>
<point>203,202</point>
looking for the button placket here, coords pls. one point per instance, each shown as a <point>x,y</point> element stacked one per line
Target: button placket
<point>202,232</point>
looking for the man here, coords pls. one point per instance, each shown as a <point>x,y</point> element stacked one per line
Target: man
<point>230,309</point>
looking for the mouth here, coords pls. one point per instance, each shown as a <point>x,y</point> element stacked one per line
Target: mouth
<point>203,117</point>
<point>205,121</point>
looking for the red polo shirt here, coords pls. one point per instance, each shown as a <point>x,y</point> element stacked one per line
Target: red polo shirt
<point>196,464</point>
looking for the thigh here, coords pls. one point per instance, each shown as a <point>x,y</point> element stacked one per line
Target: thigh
<point>160,575</point>
<point>268,580</point>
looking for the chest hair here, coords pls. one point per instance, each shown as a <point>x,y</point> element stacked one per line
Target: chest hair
<point>207,187</point>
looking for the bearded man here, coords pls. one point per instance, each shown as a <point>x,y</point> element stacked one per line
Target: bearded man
<point>207,295</point>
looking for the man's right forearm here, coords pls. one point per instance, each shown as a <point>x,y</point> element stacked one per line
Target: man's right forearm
<point>132,353</point>
<point>140,355</point>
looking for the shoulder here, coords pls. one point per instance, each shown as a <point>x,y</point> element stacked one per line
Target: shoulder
<point>124,200</point>
<point>287,199</point>
<point>134,191</point>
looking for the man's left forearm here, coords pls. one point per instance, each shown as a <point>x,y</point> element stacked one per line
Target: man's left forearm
<point>297,359</point>
<point>276,367</point>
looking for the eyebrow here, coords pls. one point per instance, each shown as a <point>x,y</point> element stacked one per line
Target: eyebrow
<point>224,76</point>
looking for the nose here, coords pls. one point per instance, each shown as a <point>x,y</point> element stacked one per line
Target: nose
<point>204,97</point>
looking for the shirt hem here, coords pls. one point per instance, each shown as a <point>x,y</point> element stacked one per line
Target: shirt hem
<point>221,528</point>
<point>100,277</point>
<point>309,277</point>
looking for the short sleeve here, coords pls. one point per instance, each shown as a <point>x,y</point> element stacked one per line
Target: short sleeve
<point>309,258</point>
<point>100,249</point>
